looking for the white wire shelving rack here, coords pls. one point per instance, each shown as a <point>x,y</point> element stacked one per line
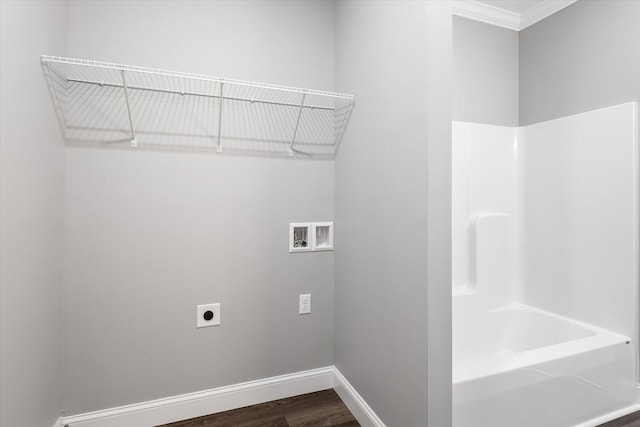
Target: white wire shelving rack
<point>104,104</point>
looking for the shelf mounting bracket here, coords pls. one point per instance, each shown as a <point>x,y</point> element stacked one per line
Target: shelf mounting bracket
<point>293,140</point>
<point>219,147</point>
<point>134,142</point>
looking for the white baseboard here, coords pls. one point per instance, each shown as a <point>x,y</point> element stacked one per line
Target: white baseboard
<point>176,408</point>
<point>356,404</point>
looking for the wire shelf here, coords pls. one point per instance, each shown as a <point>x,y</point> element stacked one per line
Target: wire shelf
<point>103,104</point>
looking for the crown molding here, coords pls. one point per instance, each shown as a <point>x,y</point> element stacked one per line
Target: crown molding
<point>482,12</point>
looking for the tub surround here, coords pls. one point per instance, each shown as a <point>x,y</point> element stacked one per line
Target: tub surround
<point>545,274</point>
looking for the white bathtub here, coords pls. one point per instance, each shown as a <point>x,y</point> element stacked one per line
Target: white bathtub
<point>517,366</point>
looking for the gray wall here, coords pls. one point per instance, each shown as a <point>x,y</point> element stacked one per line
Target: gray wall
<point>485,73</point>
<point>584,57</point>
<point>439,107</point>
<point>148,235</point>
<point>31,217</point>
<point>381,208</point>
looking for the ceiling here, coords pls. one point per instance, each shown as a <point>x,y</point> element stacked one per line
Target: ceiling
<point>517,6</point>
<point>512,14</point>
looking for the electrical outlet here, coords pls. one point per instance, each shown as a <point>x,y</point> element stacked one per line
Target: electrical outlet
<point>208,315</point>
<point>304,306</point>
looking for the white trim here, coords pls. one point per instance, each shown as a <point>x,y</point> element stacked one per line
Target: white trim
<point>636,242</point>
<point>483,12</point>
<point>356,404</point>
<point>190,405</point>
<point>58,422</point>
<point>478,11</point>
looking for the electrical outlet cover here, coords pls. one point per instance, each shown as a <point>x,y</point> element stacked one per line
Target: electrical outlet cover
<point>304,304</point>
<point>210,312</point>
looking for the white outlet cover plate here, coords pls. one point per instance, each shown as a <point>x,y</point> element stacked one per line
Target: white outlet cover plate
<point>201,322</point>
<point>304,304</point>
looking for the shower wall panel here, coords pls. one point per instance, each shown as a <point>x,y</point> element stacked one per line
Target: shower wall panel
<point>484,206</point>
<point>546,215</point>
<point>579,229</point>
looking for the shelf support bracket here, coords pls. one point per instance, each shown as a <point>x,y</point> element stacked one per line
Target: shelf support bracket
<point>219,147</point>
<point>134,142</point>
<point>293,140</point>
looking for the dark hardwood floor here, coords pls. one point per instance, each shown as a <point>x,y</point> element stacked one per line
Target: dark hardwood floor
<point>631,420</point>
<point>322,408</point>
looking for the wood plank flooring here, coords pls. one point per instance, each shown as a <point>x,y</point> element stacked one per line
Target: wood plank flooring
<point>322,408</point>
<point>631,420</point>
